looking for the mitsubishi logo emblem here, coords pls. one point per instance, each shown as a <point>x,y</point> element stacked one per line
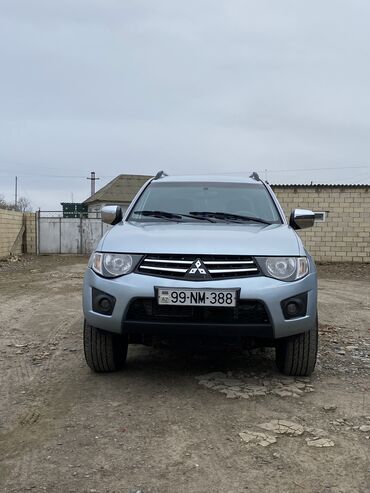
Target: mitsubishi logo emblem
<point>198,267</point>
<point>198,271</point>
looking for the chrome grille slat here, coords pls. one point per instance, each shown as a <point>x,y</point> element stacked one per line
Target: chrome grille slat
<point>167,269</point>
<point>177,266</point>
<point>224,271</point>
<point>161,261</point>
<point>227,262</point>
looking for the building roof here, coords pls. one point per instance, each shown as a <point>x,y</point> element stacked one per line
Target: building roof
<point>123,188</point>
<point>320,185</point>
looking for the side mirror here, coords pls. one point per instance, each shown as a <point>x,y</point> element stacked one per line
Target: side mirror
<point>301,219</point>
<point>111,214</point>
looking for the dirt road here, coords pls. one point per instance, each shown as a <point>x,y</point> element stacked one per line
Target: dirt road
<point>213,421</point>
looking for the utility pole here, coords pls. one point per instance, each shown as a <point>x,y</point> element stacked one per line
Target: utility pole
<point>93,180</point>
<point>16,193</point>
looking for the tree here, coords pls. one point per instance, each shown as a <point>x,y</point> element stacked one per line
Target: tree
<point>3,204</point>
<point>23,204</point>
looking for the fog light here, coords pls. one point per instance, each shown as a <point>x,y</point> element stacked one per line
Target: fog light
<point>295,307</point>
<point>292,308</point>
<point>105,304</point>
<point>102,302</point>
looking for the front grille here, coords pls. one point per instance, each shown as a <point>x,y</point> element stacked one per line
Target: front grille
<point>246,312</point>
<point>217,266</point>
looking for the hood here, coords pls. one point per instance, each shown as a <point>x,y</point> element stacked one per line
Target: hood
<point>203,238</point>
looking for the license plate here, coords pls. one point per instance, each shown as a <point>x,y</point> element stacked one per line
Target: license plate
<point>197,297</point>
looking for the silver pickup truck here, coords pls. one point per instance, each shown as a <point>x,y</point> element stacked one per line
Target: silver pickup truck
<point>207,256</point>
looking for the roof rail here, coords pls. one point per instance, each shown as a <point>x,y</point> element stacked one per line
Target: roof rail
<point>255,176</point>
<point>159,175</point>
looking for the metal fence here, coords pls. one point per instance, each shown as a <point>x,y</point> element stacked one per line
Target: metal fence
<point>72,235</point>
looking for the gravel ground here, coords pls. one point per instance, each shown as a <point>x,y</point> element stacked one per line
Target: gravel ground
<point>177,421</point>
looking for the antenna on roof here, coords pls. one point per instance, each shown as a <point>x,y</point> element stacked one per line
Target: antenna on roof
<point>159,175</point>
<point>255,176</point>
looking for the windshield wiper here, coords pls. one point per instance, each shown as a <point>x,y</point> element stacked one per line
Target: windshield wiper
<point>160,214</point>
<point>225,216</point>
<point>171,216</point>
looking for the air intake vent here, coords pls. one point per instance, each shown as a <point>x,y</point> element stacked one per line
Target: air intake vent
<point>247,312</point>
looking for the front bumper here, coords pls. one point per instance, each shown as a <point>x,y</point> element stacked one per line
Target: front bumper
<point>270,292</point>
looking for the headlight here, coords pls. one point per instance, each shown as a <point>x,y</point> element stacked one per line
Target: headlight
<point>284,268</point>
<point>113,264</point>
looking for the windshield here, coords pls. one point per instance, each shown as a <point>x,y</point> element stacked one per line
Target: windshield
<point>242,199</point>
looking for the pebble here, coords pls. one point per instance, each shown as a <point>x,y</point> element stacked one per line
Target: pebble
<point>329,407</point>
<point>283,393</point>
<point>364,428</point>
<point>319,442</point>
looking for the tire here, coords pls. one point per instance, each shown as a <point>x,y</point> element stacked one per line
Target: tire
<point>104,352</point>
<point>296,355</point>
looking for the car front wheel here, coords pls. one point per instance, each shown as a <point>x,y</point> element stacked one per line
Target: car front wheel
<point>104,352</point>
<point>296,355</point>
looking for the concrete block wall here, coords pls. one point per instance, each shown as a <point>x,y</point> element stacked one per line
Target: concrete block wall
<point>31,232</point>
<point>11,223</point>
<point>345,235</point>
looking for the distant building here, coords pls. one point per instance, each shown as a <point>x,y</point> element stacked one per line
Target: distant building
<point>121,190</point>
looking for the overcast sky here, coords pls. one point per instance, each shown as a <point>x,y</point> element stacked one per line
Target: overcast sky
<point>134,86</point>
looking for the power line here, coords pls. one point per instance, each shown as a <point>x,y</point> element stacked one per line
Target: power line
<point>362,176</point>
<point>40,175</point>
<point>264,170</point>
<point>337,168</point>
